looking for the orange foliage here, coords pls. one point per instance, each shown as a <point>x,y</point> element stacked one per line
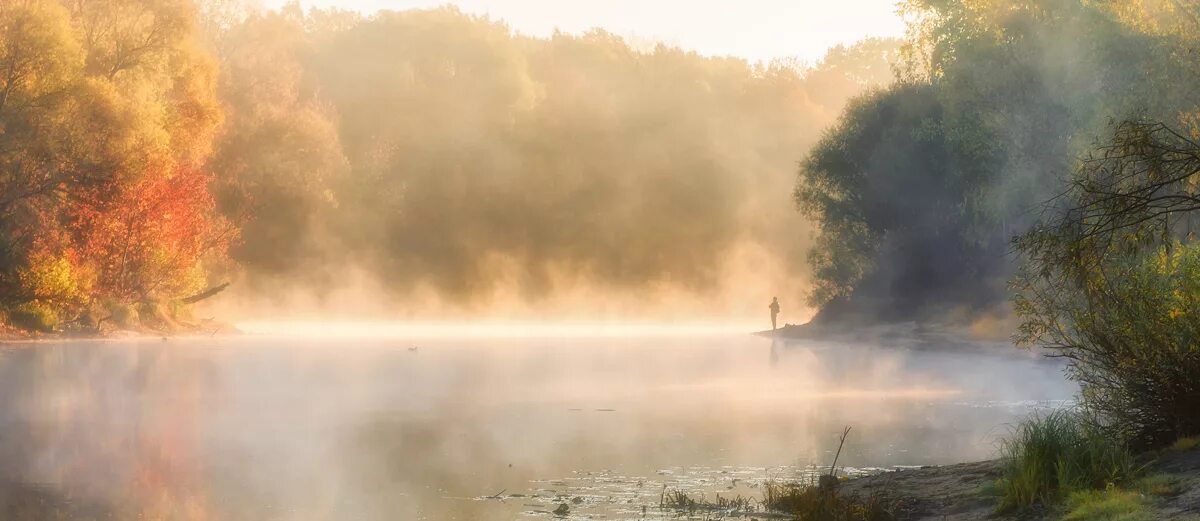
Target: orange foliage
<point>148,237</point>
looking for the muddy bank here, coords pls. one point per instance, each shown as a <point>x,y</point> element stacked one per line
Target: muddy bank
<point>950,492</point>
<point>960,492</point>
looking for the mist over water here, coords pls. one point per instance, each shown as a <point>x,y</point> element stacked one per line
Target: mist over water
<point>401,425</point>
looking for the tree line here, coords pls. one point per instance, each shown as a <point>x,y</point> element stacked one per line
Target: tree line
<point>151,149</point>
<point>1039,157</point>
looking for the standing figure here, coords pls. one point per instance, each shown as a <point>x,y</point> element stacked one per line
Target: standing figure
<point>774,307</point>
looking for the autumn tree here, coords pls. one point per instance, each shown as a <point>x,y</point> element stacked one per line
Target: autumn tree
<point>439,150</point>
<point>100,100</point>
<point>278,159</point>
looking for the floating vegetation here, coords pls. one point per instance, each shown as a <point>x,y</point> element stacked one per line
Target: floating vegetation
<point>733,506</point>
<point>687,493</point>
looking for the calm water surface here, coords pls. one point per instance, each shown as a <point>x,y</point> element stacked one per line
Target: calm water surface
<point>476,428</point>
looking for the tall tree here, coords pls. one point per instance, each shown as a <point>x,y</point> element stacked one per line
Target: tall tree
<point>101,99</point>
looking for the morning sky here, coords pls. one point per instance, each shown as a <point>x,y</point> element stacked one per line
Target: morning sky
<point>751,29</point>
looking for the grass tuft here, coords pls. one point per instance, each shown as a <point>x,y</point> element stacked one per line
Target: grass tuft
<point>1050,456</point>
<point>680,501</point>
<point>823,503</point>
<point>1157,485</point>
<point>1185,444</point>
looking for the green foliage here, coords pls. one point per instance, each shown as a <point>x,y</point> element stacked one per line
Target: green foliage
<point>893,188</point>
<point>1126,317</point>
<point>1050,456</point>
<point>997,100</point>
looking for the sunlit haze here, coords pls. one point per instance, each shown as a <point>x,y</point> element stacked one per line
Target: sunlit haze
<point>752,29</point>
<point>653,260</point>
<point>490,329</point>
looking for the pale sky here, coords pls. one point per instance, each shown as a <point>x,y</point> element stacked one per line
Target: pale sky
<point>751,29</point>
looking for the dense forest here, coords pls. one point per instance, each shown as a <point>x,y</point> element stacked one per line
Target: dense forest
<point>152,149</point>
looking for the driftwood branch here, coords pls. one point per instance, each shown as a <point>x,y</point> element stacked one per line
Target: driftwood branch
<point>204,294</point>
<point>833,467</point>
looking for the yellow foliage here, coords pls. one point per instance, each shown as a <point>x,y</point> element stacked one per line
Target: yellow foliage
<point>1159,17</point>
<point>55,280</point>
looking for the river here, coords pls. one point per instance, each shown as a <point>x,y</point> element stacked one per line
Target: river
<point>504,424</point>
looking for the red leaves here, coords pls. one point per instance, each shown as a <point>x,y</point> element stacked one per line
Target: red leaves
<point>148,237</point>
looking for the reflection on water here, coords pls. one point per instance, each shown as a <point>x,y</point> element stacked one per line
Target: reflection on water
<point>474,428</point>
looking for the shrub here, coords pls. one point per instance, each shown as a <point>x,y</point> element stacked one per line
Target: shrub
<point>1049,456</point>
<point>1133,342</point>
<point>1111,281</point>
<point>34,316</point>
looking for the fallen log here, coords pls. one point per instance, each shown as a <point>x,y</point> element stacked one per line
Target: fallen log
<point>204,294</point>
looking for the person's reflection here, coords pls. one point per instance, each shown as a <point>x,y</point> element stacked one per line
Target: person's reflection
<point>776,345</point>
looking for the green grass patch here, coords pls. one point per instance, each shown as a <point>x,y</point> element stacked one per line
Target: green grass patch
<point>1112,504</point>
<point>1120,504</point>
<point>1157,485</point>
<point>1186,444</point>
<point>1049,456</point>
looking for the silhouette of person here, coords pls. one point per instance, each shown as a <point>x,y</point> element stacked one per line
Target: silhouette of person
<point>774,311</point>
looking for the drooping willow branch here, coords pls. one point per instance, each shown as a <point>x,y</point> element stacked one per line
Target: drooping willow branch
<point>1124,195</point>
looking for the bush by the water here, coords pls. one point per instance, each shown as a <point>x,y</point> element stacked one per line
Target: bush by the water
<point>1112,283</point>
<point>1051,455</point>
<point>1133,340</point>
<point>33,316</point>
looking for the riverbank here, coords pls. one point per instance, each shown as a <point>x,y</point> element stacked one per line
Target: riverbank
<point>204,328</point>
<point>961,492</point>
<point>909,334</point>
